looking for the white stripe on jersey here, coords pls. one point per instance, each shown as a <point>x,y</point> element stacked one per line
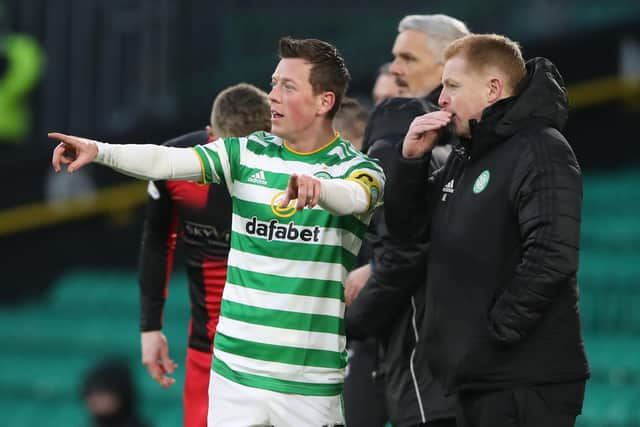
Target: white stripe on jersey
<point>284,302</point>
<point>220,149</point>
<point>281,336</point>
<point>274,164</point>
<point>308,374</point>
<point>293,269</point>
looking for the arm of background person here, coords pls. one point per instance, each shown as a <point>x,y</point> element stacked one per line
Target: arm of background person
<point>397,269</point>
<point>156,262</point>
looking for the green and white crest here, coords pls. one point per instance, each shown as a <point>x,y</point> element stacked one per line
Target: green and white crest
<point>481,181</point>
<point>322,175</point>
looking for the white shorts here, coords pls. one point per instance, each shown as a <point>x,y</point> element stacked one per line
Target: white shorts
<point>236,405</point>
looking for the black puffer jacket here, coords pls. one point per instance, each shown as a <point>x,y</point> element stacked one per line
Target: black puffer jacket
<point>503,219</point>
<point>391,305</point>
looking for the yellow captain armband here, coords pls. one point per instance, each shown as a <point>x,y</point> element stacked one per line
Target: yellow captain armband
<point>370,183</point>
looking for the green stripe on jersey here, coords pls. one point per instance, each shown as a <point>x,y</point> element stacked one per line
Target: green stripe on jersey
<point>285,285</point>
<point>282,319</point>
<point>274,179</point>
<point>232,146</point>
<point>279,250</point>
<point>280,353</point>
<point>280,386</point>
<point>206,154</point>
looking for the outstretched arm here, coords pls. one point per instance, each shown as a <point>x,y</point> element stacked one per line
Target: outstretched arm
<point>140,161</point>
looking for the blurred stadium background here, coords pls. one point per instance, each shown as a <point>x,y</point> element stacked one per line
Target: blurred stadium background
<point>147,70</point>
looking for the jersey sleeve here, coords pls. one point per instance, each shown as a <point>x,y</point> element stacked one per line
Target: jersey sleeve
<point>156,255</point>
<point>217,160</point>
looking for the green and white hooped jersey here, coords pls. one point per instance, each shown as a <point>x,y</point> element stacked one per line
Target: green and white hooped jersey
<point>281,321</point>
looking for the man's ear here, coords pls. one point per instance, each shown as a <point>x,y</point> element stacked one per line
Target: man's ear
<point>495,89</point>
<point>326,103</point>
<point>210,133</point>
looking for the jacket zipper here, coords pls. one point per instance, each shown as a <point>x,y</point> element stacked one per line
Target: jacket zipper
<point>411,367</point>
<point>459,162</point>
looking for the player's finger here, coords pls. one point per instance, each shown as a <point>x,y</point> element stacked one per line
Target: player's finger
<point>315,193</point>
<point>79,162</point>
<point>65,159</point>
<point>68,139</point>
<point>58,154</point>
<point>292,191</point>
<point>303,189</point>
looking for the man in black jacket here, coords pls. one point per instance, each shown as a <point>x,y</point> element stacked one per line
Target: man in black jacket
<point>391,305</point>
<point>503,220</point>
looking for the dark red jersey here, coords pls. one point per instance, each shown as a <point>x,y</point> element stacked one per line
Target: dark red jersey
<point>201,216</point>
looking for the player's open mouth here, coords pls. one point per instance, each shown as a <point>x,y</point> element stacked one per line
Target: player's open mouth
<point>275,115</point>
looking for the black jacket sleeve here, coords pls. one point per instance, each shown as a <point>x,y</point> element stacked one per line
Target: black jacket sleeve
<point>547,195</point>
<point>406,194</point>
<point>398,267</point>
<point>156,255</point>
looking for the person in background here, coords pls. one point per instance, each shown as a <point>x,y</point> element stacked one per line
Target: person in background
<point>392,305</point>
<point>350,121</point>
<point>109,395</point>
<point>385,86</point>
<point>201,216</point>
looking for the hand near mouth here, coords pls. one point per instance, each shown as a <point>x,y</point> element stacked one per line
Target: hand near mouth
<point>423,133</point>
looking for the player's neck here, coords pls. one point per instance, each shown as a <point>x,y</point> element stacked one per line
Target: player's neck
<point>313,140</point>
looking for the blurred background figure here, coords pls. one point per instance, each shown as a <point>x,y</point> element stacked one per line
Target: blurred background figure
<point>109,395</point>
<point>351,120</point>
<point>385,86</point>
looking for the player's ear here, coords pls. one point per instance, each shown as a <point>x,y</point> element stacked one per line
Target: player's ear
<point>326,102</point>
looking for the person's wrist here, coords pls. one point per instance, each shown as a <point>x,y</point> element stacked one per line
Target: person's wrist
<point>413,154</point>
